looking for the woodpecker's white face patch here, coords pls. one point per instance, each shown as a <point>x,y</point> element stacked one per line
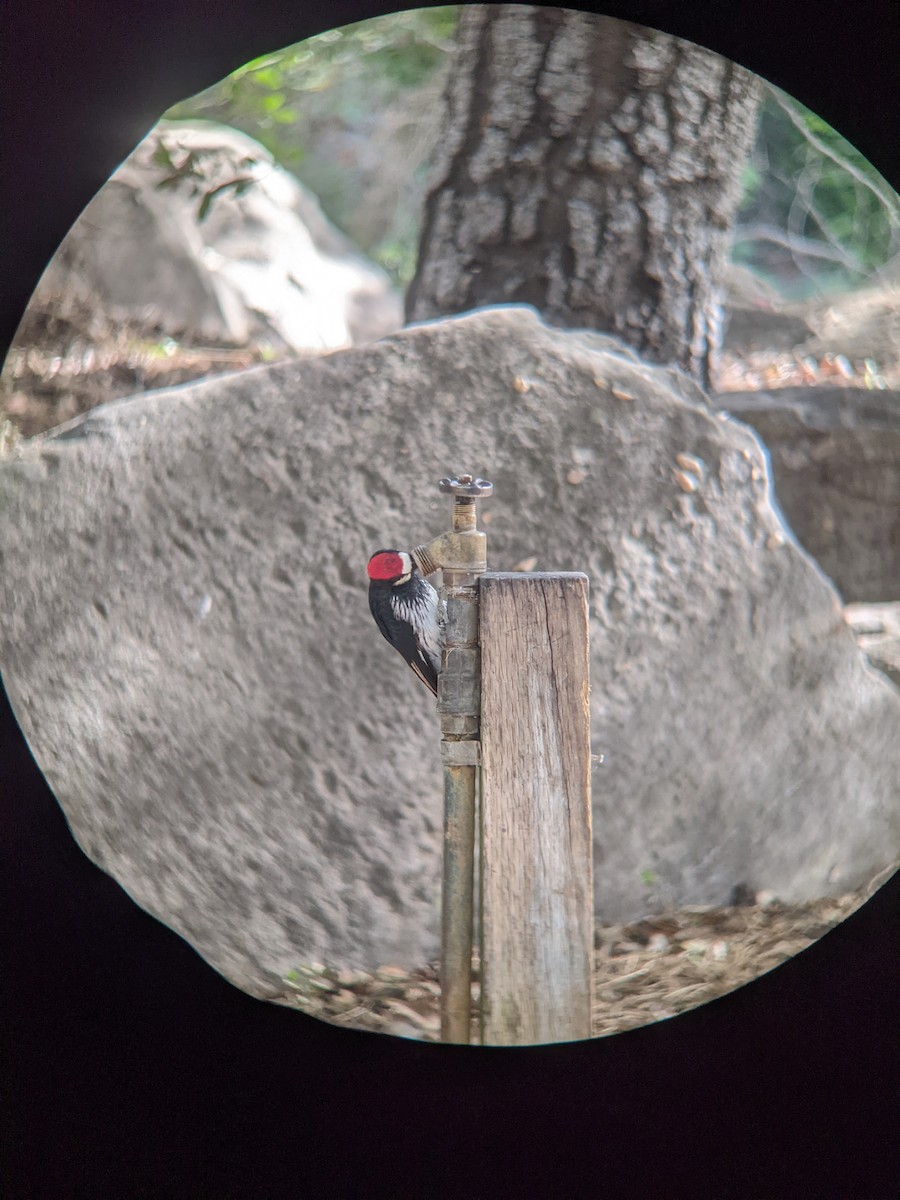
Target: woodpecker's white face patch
<point>407,564</point>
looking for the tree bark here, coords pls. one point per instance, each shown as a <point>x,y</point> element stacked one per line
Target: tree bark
<point>590,167</point>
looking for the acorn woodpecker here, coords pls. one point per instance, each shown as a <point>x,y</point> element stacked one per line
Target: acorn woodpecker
<point>407,611</point>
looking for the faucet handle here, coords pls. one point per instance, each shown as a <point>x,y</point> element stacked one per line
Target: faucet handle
<point>466,487</point>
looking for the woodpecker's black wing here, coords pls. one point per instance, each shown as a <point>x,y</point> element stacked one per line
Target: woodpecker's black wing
<point>402,638</point>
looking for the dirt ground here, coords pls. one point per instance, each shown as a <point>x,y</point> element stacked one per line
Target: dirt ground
<point>643,972</point>
<point>67,358</point>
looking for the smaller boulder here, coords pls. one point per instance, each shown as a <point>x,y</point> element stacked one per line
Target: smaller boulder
<point>200,234</point>
<point>835,456</point>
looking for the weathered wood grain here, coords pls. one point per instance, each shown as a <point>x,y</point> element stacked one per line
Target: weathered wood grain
<point>537,895</point>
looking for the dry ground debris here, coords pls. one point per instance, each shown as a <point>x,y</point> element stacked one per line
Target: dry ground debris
<point>643,972</point>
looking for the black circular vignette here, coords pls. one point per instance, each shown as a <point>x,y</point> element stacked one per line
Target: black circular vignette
<point>132,1068</point>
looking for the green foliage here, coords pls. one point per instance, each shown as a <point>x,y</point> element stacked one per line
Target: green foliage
<point>265,97</point>
<point>351,113</point>
<point>397,256</point>
<point>353,86</point>
<point>814,212</point>
<point>751,182</point>
<point>198,169</point>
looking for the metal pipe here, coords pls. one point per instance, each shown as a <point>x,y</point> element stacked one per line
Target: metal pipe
<point>458,706</point>
<point>456,904</point>
<point>461,556</point>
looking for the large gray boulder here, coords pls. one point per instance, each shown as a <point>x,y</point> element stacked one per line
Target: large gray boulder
<point>187,644</point>
<point>200,234</point>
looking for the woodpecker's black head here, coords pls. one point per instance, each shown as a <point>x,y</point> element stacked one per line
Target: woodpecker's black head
<point>390,568</point>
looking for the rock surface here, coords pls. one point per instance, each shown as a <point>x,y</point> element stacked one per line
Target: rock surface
<point>877,629</point>
<point>187,644</point>
<point>262,263</point>
<point>836,472</point>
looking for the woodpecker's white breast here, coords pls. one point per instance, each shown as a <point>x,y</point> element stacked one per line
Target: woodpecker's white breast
<point>425,613</point>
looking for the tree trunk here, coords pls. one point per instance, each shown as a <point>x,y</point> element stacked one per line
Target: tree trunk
<point>591,168</point>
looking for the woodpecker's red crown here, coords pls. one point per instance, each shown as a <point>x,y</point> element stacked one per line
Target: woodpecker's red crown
<point>388,565</point>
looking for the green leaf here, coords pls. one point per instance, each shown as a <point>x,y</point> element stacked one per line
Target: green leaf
<point>203,210</point>
<point>269,77</point>
<point>162,157</point>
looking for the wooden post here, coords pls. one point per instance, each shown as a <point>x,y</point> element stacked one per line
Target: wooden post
<point>536,849</point>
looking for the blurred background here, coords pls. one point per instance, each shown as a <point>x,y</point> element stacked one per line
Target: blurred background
<point>353,115</point>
